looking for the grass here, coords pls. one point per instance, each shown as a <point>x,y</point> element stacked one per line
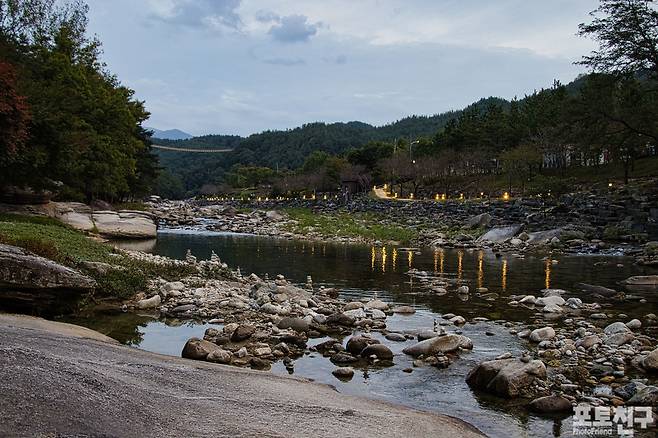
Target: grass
<point>365,225</point>
<point>50,238</point>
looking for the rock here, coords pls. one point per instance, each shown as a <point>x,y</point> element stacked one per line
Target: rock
<point>377,304</point>
<point>528,299</point>
<point>647,396</point>
<point>198,349</point>
<point>242,333</point>
<point>642,280</point>
<point>462,290</point>
<point>458,320</point>
<point>341,319</point>
<point>380,350</point>
<point>588,341</point>
<point>606,292</point>
<point>273,309</point>
<point>499,235</point>
<point>343,373</point>
<point>396,337</point>
<point>125,224</point>
<point>634,324</point>
<point>616,327</point>
<point>574,303</point>
<point>439,344</point>
<point>619,339</point>
<point>506,377</point>
<point>174,285</point>
<point>404,310</point>
<point>353,305</point>
<point>552,308</point>
<point>21,269</point>
<point>542,334</point>
<point>598,316</point>
<point>183,308</point>
<point>355,313</point>
<point>297,324</point>
<point>356,344</point>
<point>149,303</point>
<point>219,356</point>
<point>479,221</point>
<point>342,357</point>
<point>550,404</point>
<point>427,334</point>
<point>552,299</point>
<point>650,362</point>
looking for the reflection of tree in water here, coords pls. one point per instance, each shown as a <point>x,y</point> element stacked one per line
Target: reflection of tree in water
<point>122,326</point>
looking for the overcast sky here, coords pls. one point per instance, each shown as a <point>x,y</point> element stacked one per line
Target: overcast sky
<point>244,66</point>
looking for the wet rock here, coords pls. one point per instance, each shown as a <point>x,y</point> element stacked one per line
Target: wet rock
<point>343,373</point>
<point>198,349</point>
<point>427,334</point>
<point>439,344</point>
<point>343,357</point>
<point>149,303</point>
<point>219,356</point>
<point>404,310</point>
<point>242,332</point>
<point>542,334</point>
<point>297,324</point>
<point>356,344</point>
<point>642,280</point>
<point>650,362</point>
<point>377,304</point>
<point>507,377</point>
<point>499,235</point>
<point>550,404</point>
<point>528,299</point>
<point>183,308</point>
<point>353,305</point>
<point>396,337</point>
<point>341,319</point>
<point>605,291</point>
<point>458,320</point>
<point>381,351</point>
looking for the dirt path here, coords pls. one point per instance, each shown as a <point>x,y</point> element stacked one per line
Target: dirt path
<point>56,380</point>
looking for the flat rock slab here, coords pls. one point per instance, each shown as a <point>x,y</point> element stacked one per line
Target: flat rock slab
<point>21,269</point>
<point>501,234</point>
<point>113,390</point>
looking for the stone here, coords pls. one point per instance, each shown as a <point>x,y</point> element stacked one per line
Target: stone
<point>149,303</point>
<point>341,319</point>
<point>542,334</point>
<point>427,334</point>
<point>439,344</point>
<point>506,377</point>
<point>174,285</point>
<point>552,308</point>
<point>462,290</point>
<point>574,303</point>
<point>297,324</point>
<point>23,270</point>
<point>377,304</point>
<point>125,224</point>
<point>183,308</point>
<point>501,234</point>
<point>647,396</point>
<point>408,310</point>
<point>198,349</point>
<point>528,299</point>
<point>343,373</point>
<point>342,357</point>
<point>616,327</point>
<point>650,362</point>
<point>634,324</point>
<point>353,305</point>
<point>396,337</point>
<point>381,351</point>
<point>619,339</point>
<point>458,320</point>
<point>480,221</point>
<point>551,299</point>
<point>242,332</point>
<point>273,309</point>
<point>550,404</point>
<point>356,344</point>
<point>642,280</point>
<point>219,356</point>
<point>588,341</point>
<point>376,314</point>
<point>356,313</point>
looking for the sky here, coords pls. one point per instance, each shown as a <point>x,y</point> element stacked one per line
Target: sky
<point>245,66</point>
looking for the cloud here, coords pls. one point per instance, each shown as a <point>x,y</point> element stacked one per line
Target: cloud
<point>218,15</point>
<point>340,59</point>
<point>293,28</point>
<point>288,62</point>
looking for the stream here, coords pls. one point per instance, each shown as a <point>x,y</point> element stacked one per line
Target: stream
<point>362,271</point>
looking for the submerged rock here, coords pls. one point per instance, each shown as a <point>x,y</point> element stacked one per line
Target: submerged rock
<point>507,377</point>
<point>439,344</point>
<point>550,404</point>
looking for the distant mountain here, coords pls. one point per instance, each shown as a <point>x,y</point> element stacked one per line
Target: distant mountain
<point>170,134</point>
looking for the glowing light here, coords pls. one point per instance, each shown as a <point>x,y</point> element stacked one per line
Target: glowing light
<point>411,196</point>
<point>410,258</point>
<point>443,197</point>
<point>394,260</point>
<point>383,259</point>
<point>547,274</point>
<point>442,257</point>
<point>480,269</point>
<point>609,184</point>
<point>505,196</point>
<point>460,260</point>
<point>325,197</point>
<point>503,276</point>
<point>481,194</point>
<point>373,255</point>
<point>436,197</point>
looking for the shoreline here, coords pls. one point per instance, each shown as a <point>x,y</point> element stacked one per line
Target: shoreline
<point>149,392</point>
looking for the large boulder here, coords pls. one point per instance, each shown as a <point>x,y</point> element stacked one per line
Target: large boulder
<point>198,349</point>
<point>650,362</point>
<point>380,351</point>
<point>356,344</point>
<point>481,220</point>
<point>125,224</point>
<point>21,269</point>
<point>542,334</point>
<point>501,234</point>
<point>439,344</point>
<point>506,377</point>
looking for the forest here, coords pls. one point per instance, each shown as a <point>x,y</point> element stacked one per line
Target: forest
<point>68,126</point>
<point>608,116</point>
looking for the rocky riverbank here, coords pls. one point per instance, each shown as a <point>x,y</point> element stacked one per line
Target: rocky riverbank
<point>113,390</point>
<point>617,220</point>
<point>575,351</point>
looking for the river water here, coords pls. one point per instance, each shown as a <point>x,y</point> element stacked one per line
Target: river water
<point>362,271</point>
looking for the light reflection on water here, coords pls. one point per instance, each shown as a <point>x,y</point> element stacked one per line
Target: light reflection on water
<point>365,272</point>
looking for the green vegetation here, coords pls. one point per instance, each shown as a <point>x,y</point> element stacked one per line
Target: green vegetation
<point>366,225</point>
<point>50,238</point>
<point>66,123</point>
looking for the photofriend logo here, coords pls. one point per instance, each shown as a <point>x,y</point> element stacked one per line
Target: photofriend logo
<point>621,421</point>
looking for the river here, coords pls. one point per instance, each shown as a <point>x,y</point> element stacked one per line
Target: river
<point>362,271</point>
